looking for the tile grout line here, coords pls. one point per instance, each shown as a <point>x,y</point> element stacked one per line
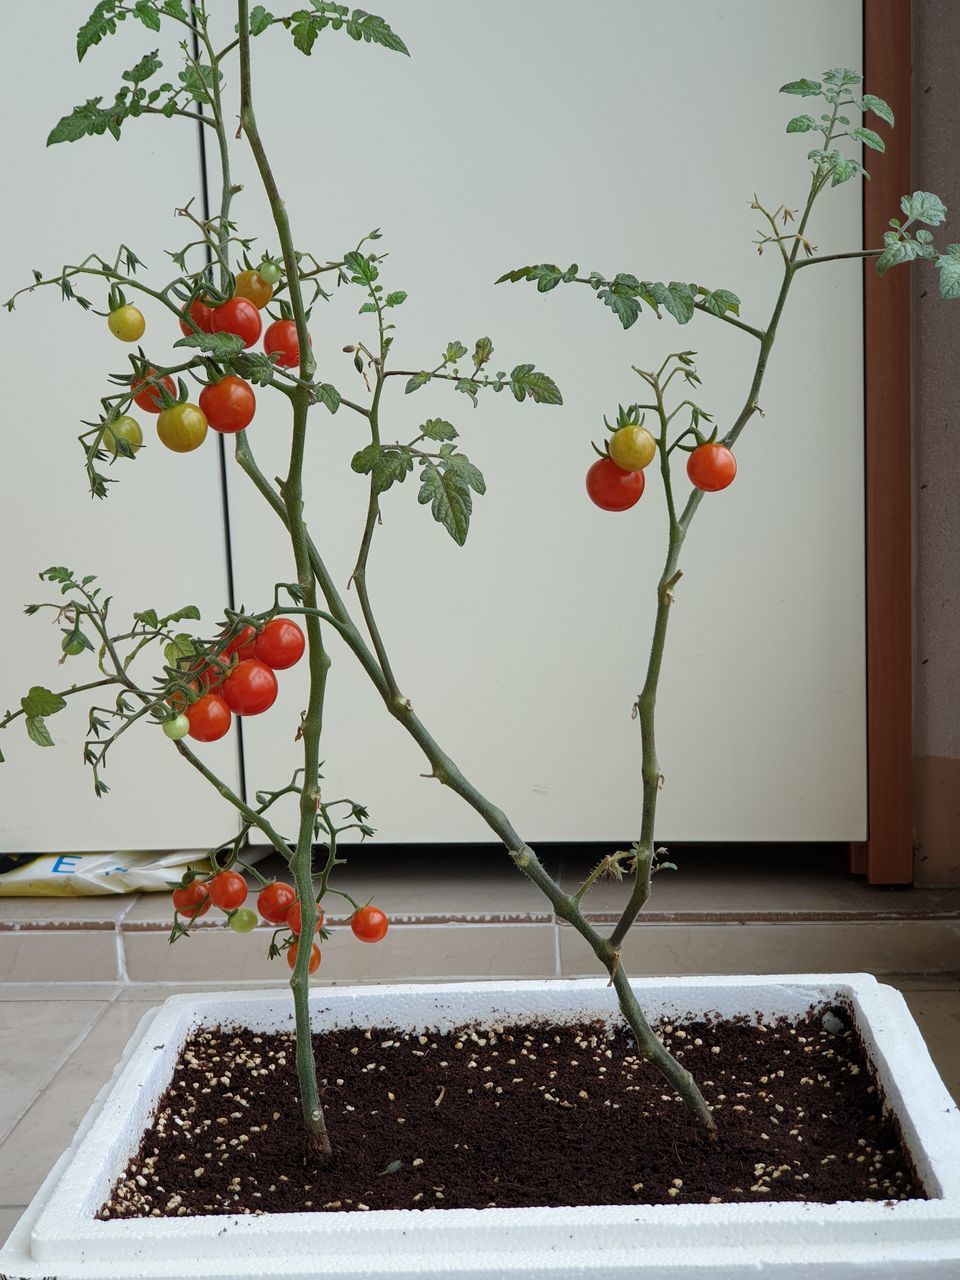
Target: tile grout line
<point>61,1062</point>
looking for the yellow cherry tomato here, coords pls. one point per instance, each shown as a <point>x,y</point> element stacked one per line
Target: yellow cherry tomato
<point>252,286</point>
<point>633,448</point>
<point>126,323</point>
<point>182,428</point>
<point>126,429</point>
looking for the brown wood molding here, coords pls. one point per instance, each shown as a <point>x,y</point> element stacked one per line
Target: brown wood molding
<point>886,857</point>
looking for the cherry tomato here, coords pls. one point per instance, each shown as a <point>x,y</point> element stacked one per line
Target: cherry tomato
<point>229,404</point>
<point>280,342</point>
<point>242,644</point>
<point>209,718</point>
<point>238,316</point>
<point>126,323</point>
<point>176,728</point>
<point>632,448</point>
<point>149,399</point>
<point>369,924</point>
<point>126,429</point>
<point>275,900</point>
<point>711,467</point>
<point>202,316</point>
<point>612,488</point>
<point>182,428</point>
<point>192,901</point>
<point>313,964</point>
<point>250,688</point>
<point>252,286</point>
<point>295,923</point>
<point>280,644</point>
<point>269,270</point>
<point>227,890</point>
<point>72,645</point>
<point>243,921</point>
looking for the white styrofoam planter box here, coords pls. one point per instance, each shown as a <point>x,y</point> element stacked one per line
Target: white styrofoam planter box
<point>59,1236</point>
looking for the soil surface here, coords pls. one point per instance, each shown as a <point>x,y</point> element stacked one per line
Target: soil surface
<point>515,1116</point>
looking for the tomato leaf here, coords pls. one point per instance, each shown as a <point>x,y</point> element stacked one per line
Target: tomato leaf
<point>416,382</point>
<point>801,124</point>
<point>147,14</point>
<point>219,345</point>
<point>720,301</point>
<point>188,611</point>
<point>38,732</point>
<point>527,381</point>
<point>181,646</point>
<point>803,88</point>
<point>148,66</point>
<point>41,702</point>
<point>395,299</point>
<point>924,206</point>
<point>482,352</point>
<point>260,20</point>
<point>197,79</point>
<point>449,495</point>
<point>329,395</point>
<point>869,139</point>
<point>101,23</point>
<point>437,429</point>
<point>948,265</point>
<point>878,107</point>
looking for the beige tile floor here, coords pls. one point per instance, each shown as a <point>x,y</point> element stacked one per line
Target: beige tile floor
<point>472,916</point>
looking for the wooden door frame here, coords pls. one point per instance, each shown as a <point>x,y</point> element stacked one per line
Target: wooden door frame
<point>886,856</point>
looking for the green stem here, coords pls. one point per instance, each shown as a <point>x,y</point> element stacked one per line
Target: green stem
<point>319,663</point>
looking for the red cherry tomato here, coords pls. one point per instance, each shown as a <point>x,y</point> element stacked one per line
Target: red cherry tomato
<point>227,890</point>
<point>612,488</point>
<point>711,467</point>
<point>202,317</point>
<point>209,718</point>
<point>250,688</point>
<point>294,920</point>
<point>149,398</point>
<point>369,924</point>
<point>280,644</point>
<point>313,964</point>
<point>238,316</point>
<point>274,901</point>
<point>229,404</point>
<point>280,342</point>
<point>192,901</point>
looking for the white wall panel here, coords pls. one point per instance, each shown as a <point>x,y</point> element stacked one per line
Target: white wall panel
<point>629,136</point>
<point>157,540</point>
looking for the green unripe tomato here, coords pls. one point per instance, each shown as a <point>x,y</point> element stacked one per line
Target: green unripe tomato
<point>176,728</point>
<point>633,448</point>
<point>243,920</point>
<point>126,323</point>
<point>71,646</point>
<point>126,429</point>
<point>269,271</point>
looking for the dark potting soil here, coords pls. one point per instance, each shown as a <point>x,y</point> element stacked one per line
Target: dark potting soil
<point>515,1116</point>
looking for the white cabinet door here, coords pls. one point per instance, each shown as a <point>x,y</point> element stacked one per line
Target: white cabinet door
<point>158,539</point>
<point>626,136</point>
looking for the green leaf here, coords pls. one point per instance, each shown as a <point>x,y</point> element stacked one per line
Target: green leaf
<point>416,382</point>
<point>470,474</point>
<point>721,301</point>
<point>801,124</point>
<point>455,351</point>
<point>895,252</point>
<point>395,299</point>
<point>843,170</point>
<point>329,396</point>
<point>869,139</point>
<point>38,732</point>
<point>197,79</point>
<point>482,352</point>
<point>260,20</point>
<point>449,495</point>
<point>878,107</point>
<point>220,345</point>
<point>147,14</point>
<point>148,66</point>
<point>364,271</point>
<point>181,646</point>
<point>175,9</point>
<point>624,307</point>
<point>363,460</point>
<point>188,611</point>
<point>802,88</point>
<point>924,206</point>
<point>89,119</point>
<point>948,264</point>
<point>437,429</point>
<point>469,388</point>
<point>149,618</point>
<point>841,77</point>
<point>677,298</point>
<point>42,702</point>
<point>374,30</point>
<point>101,23</point>
<point>367,309</point>
<point>390,467</point>
<point>526,381</point>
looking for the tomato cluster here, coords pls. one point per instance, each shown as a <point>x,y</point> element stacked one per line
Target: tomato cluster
<point>616,481</point>
<point>277,904</point>
<point>226,405</point>
<point>239,681</point>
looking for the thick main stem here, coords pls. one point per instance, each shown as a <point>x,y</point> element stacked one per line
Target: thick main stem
<point>319,662</point>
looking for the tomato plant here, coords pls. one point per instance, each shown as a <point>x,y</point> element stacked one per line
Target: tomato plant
<point>280,644</point>
<point>369,924</point>
<point>274,901</point>
<point>150,399</point>
<point>611,488</point>
<point>281,343</point>
<point>252,286</point>
<point>313,964</point>
<point>237,316</point>
<point>227,890</point>
<point>229,405</point>
<point>209,717</point>
<point>182,428</point>
<point>250,688</point>
<point>127,324</point>
<point>711,467</point>
<point>192,900</point>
